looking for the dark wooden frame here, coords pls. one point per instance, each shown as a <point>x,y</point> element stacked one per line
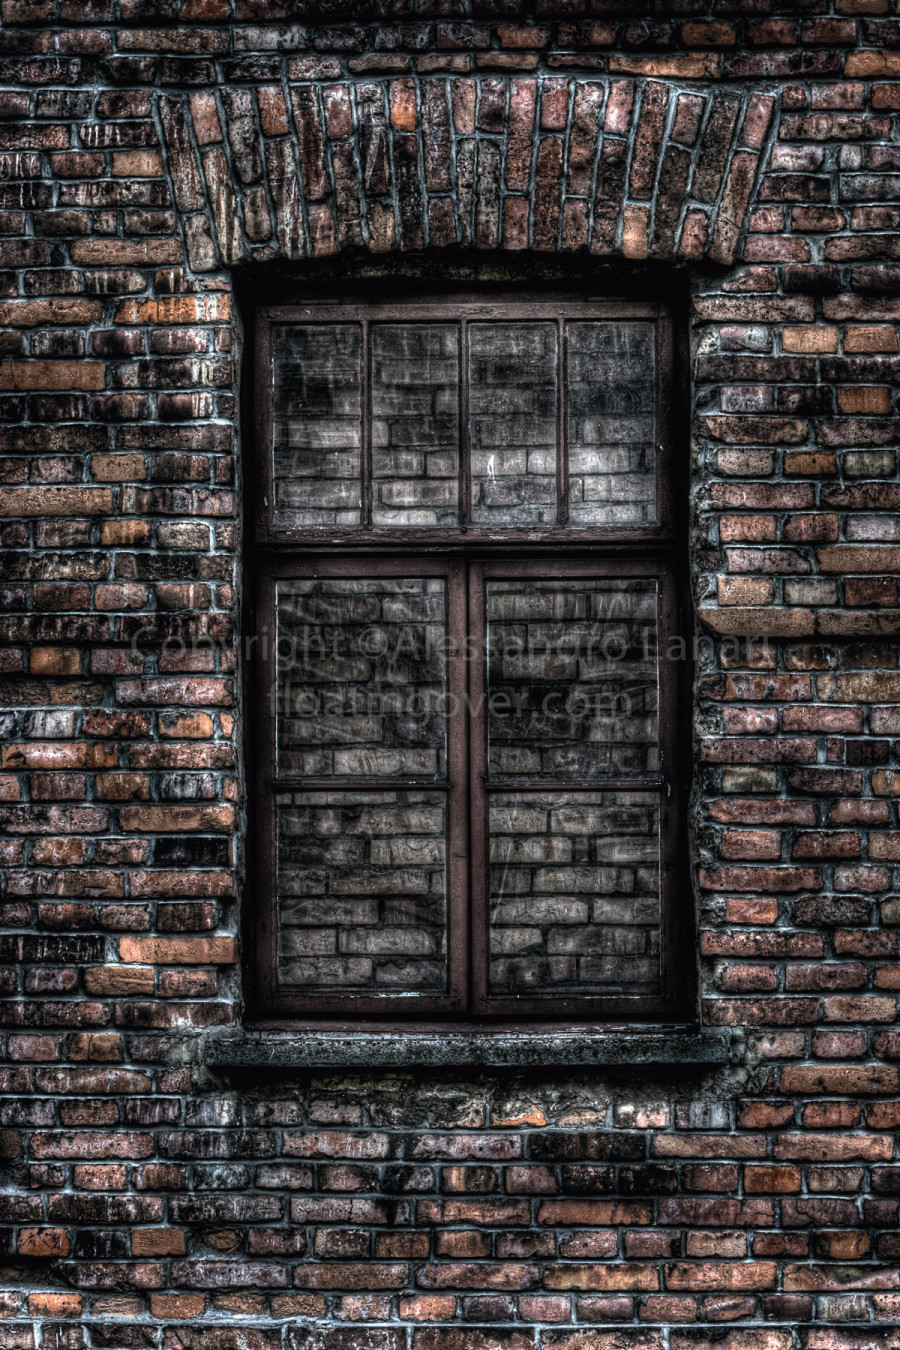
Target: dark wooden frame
<point>637,551</point>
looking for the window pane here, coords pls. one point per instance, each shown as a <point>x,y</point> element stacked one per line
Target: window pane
<point>572,678</point>
<point>574,893</point>
<point>610,405</point>
<point>361,677</point>
<point>415,424</point>
<point>362,892</point>
<point>512,415</point>
<point>317,424</point>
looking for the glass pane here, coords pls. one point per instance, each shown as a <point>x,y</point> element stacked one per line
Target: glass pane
<point>415,424</point>
<point>362,892</point>
<point>574,893</point>
<point>611,426</point>
<point>572,679</point>
<point>512,415</point>
<point>361,677</point>
<point>317,424</point>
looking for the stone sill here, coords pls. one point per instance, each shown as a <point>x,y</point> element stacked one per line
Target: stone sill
<point>498,1049</point>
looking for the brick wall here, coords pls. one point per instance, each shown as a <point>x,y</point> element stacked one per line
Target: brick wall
<point>147,149</point>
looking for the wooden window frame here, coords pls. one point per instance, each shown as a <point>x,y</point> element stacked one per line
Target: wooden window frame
<point>467,556</point>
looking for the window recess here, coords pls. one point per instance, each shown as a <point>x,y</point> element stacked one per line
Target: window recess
<point>467,679</point>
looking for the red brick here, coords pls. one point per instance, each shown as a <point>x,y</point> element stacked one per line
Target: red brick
<point>126,318</point>
<point>719,1275</point>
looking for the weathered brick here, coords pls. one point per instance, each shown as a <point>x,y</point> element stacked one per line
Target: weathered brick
<point>122,805</point>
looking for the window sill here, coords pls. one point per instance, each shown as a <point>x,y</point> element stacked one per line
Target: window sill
<point>498,1049</point>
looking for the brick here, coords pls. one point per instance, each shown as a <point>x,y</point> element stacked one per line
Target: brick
<point>52,375</point>
<point>121,805</point>
<point>771,1180</point>
<point>178,950</point>
<point>631,1276</point>
<point>478,1338</point>
<point>712,1274</point>
<point>820,338</point>
<point>873,338</point>
<point>56,501</point>
<point>753,1338</point>
<point>176,818</point>
<point>830,1078</point>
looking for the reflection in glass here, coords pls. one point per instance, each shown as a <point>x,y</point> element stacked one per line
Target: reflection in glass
<point>415,424</point>
<point>512,417</point>
<point>317,425</point>
<point>572,678</point>
<point>610,407</point>
<point>362,891</point>
<point>361,677</point>
<point>574,893</point>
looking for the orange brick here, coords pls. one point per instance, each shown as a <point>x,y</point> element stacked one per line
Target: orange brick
<point>43,1242</point>
<point>55,660</point>
<point>179,951</point>
<point>124,533</point>
<point>177,1305</point>
<point>119,981</point>
<point>138,164</point>
<point>867,65</point>
<point>179,309</point>
<point>771,1180</point>
<point>810,338</point>
<point>739,910</point>
<point>56,501</point>
<point>635,228</point>
<point>157,1242</point>
<point>428,1307</point>
<point>810,463</point>
<point>186,726</point>
<point>873,399</point>
<point>174,819</point>
<point>879,337</point>
<point>52,375</point>
<point>687,66</point>
<point>104,1047</point>
<point>118,468</point>
<point>62,1306</point>
<point>522,35</point>
<point>403,105</point>
<point>746,590</point>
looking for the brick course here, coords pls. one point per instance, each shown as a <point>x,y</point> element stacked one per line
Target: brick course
<point>152,154</point>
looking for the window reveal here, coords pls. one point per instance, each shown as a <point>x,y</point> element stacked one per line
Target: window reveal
<point>467,734</point>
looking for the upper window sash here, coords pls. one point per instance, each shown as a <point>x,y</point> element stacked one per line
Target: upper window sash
<point>463,420</point>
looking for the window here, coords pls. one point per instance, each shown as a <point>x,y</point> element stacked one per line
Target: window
<point>465,609</point>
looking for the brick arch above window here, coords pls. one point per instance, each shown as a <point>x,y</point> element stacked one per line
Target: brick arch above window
<point>627,168</point>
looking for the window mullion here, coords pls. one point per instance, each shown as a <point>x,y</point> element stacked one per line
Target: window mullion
<point>264,422</point>
<point>562,445</point>
<point>479,867</point>
<point>366,457</point>
<point>465,457</point>
<point>458,844</point>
